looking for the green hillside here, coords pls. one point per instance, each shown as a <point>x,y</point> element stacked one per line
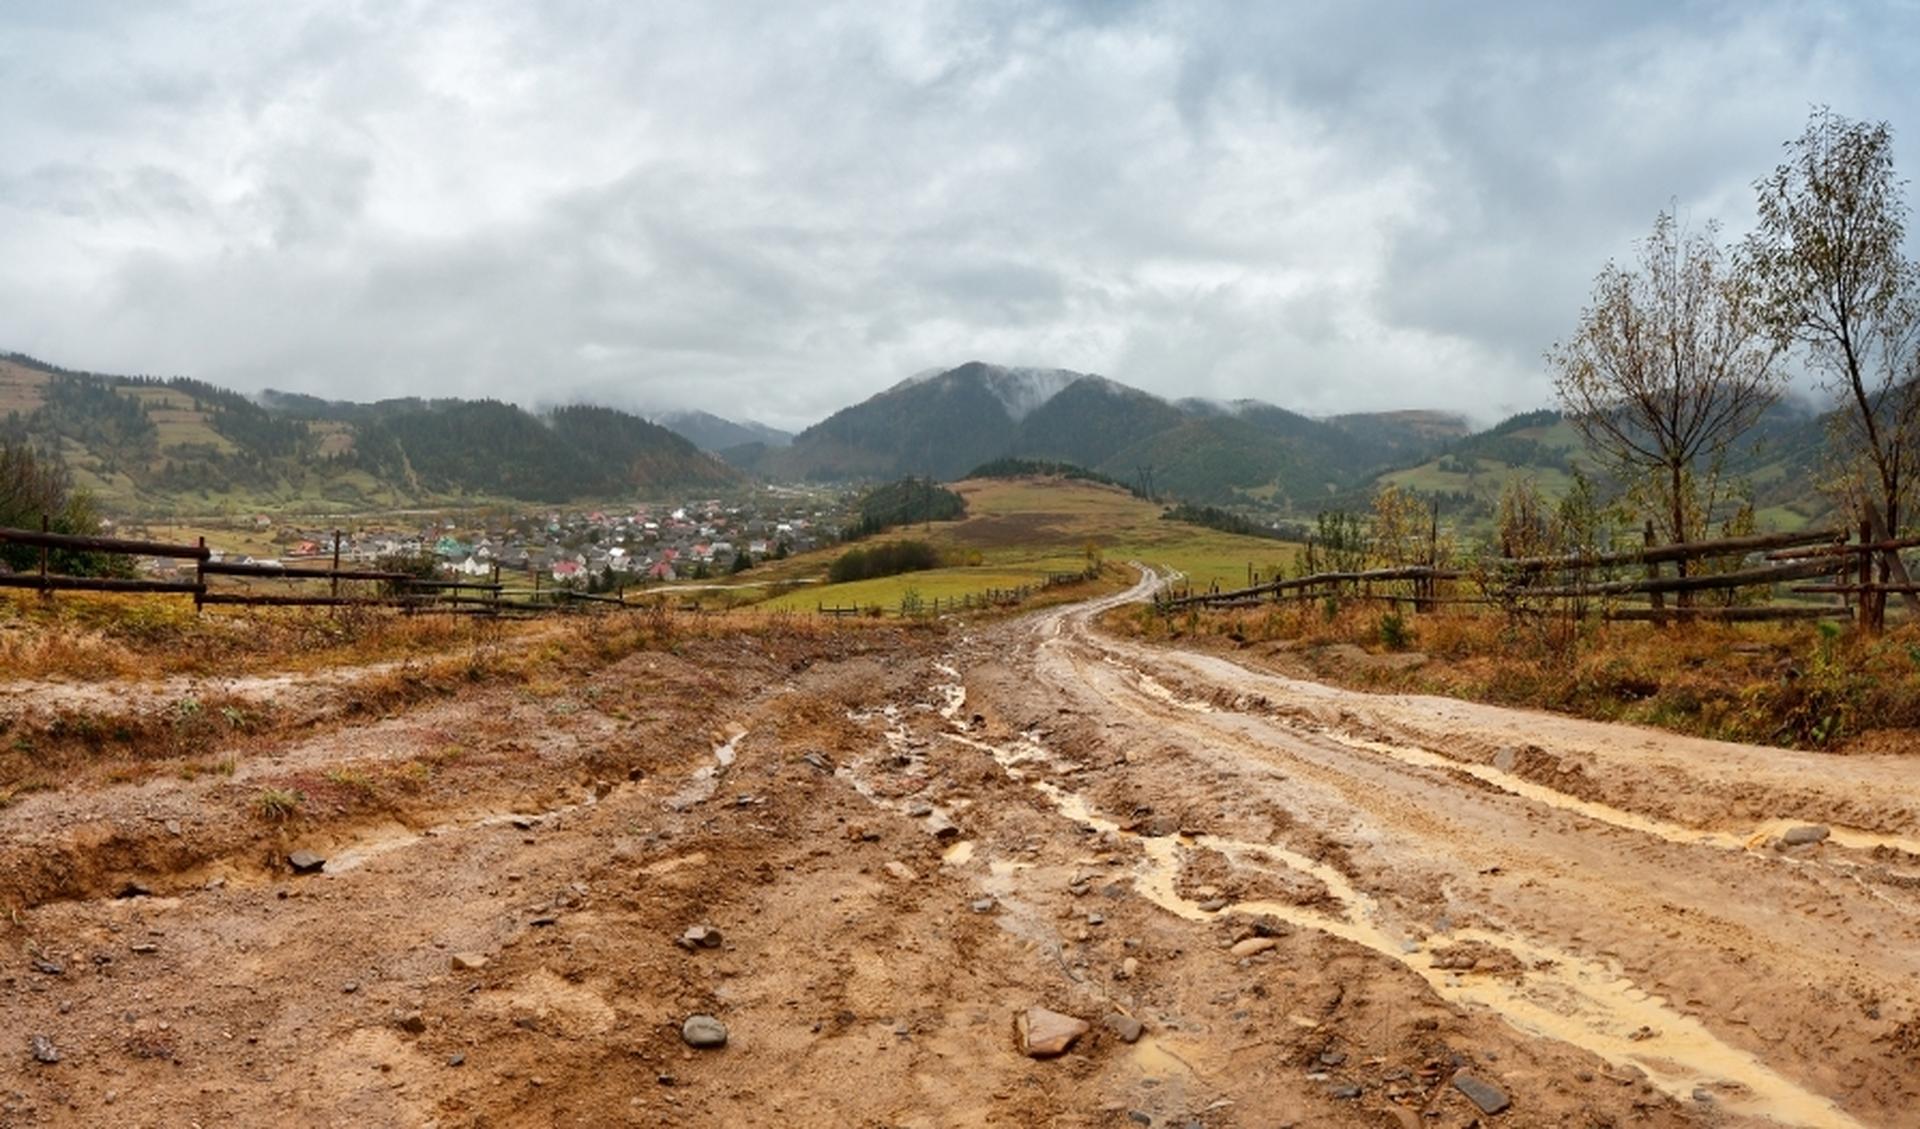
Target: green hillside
<point>153,446</point>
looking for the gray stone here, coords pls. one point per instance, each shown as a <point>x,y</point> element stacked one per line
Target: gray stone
<point>306,862</point>
<point>412,1022</point>
<point>44,1050</point>
<point>1489,1097</point>
<point>700,937</point>
<point>457,1060</point>
<point>819,761</point>
<point>1213,905</point>
<point>1505,758</point>
<point>49,967</point>
<point>468,962</point>
<point>703,1031</point>
<point>1126,1027</point>
<point>1345,1091</point>
<point>1802,836</point>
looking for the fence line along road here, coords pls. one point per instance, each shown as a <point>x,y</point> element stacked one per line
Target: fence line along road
<point>1864,573</point>
<point>397,589</point>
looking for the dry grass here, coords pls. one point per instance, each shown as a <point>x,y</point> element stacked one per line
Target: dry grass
<point>1797,684</point>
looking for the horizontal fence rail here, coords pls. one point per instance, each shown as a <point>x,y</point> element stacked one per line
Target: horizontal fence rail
<point>1748,568</point>
<point>403,590</point>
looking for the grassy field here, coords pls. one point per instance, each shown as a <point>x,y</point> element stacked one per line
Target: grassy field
<point>1017,531</point>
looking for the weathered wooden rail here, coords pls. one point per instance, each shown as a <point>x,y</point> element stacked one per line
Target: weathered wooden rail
<point>1863,573</point>
<point>403,590</point>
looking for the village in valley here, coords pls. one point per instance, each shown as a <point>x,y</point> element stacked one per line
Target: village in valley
<point>603,548</point>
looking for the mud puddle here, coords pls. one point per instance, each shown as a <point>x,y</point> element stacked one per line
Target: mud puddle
<point>1555,994</point>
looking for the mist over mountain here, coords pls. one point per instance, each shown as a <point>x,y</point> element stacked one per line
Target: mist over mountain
<point>714,433</point>
<point>945,423</point>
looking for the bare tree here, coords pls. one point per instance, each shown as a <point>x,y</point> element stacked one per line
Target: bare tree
<point>1828,252</point>
<point>1668,366</point>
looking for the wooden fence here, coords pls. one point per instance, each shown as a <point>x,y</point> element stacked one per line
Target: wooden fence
<point>1732,574</point>
<point>392,589</point>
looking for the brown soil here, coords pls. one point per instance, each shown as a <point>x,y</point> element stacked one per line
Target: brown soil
<point>906,839</point>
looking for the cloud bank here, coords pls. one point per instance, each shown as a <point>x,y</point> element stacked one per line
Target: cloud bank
<point>771,210</point>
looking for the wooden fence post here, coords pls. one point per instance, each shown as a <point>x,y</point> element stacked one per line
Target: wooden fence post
<point>200,577</point>
<point>336,564</point>
<point>1872,609</point>
<point>46,526</point>
<point>1653,573</point>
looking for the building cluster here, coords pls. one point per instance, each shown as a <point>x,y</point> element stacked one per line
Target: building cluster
<point>603,546</point>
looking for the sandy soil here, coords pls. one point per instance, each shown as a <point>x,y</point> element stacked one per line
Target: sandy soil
<point>1323,907</point>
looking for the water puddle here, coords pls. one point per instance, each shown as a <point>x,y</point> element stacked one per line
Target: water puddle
<point>1556,994</point>
<point>705,780</point>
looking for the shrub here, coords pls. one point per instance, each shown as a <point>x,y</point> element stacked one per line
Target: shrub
<point>890,559</point>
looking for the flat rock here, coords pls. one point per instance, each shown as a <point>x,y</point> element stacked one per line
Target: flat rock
<point>1489,1097</point>
<point>983,905</point>
<point>1045,1033</point>
<point>901,871</point>
<point>1213,905</point>
<point>703,1031</point>
<point>1126,1027</point>
<point>1252,946</point>
<point>306,862</point>
<point>1802,836</point>
<point>468,962</point>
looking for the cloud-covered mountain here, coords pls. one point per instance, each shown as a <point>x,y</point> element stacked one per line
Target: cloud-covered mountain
<point>946,423</point>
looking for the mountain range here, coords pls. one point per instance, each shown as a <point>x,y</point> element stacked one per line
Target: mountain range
<point>156,446</point>
<point>945,423</point>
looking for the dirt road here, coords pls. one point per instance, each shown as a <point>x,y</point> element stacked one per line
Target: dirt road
<point>1321,907</point>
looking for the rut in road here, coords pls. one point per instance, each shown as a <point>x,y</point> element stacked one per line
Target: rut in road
<point>1695,954</point>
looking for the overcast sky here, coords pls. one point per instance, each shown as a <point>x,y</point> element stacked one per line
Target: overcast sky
<point>773,210</point>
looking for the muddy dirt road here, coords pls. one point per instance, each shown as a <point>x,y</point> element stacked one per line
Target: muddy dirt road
<point>1272,902</point>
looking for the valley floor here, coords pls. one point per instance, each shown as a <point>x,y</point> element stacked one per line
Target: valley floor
<point>1321,907</point>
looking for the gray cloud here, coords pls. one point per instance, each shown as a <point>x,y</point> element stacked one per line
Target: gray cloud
<point>768,212</point>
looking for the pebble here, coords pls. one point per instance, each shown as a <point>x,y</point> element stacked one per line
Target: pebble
<point>1126,1027</point>
<point>1045,1033</point>
<point>901,871</point>
<point>1489,1097</point>
<point>145,948</point>
<point>468,962</point>
<point>44,1050</point>
<point>703,1031</point>
<point>1129,968</point>
<point>1252,946</point>
<point>1213,905</point>
<point>49,967</point>
<point>920,811</point>
<point>983,905</point>
<point>700,937</point>
<point>1345,1092</point>
<point>1802,836</point>
<point>457,1060</point>
<point>350,987</point>
<point>306,862</point>
<point>412,1022</point>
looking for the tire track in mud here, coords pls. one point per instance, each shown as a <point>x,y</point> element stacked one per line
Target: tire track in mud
<point>1557,992</point>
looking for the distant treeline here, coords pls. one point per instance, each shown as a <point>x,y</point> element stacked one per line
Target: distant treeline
<point>1213,517</point>
<point>1036,468</point>
<point>890,559</point>
<point>903,503</point>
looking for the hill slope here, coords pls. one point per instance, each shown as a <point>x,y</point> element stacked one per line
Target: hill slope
<point>146,445</point>
<point>710,432</point>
